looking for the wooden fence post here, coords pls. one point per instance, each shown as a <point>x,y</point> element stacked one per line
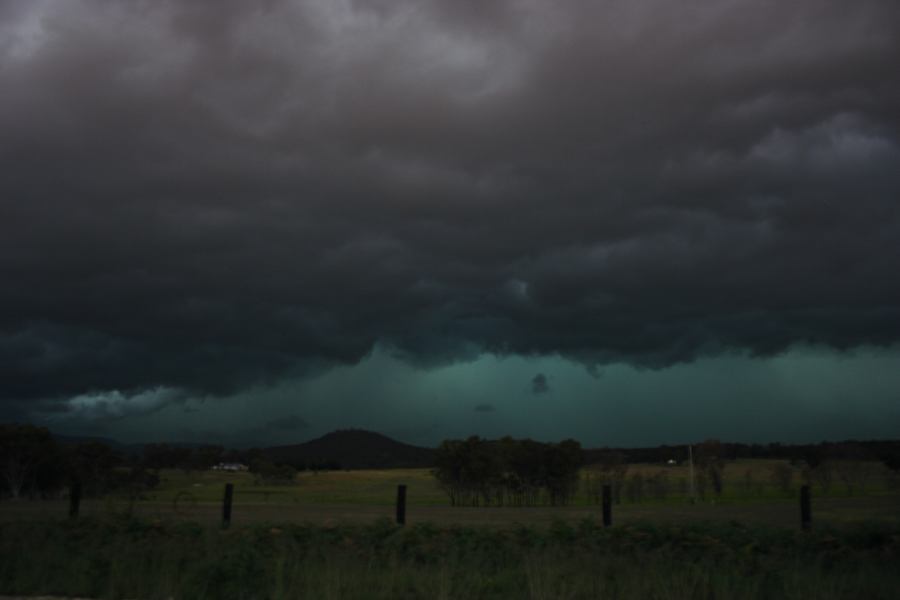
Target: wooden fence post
<point>226,506</point>
<point>74,499</point>
<point>805,508</point>
<point>401,504</point>
<point>607,505</point>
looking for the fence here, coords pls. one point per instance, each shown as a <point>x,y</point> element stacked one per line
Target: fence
<point>227,503</point>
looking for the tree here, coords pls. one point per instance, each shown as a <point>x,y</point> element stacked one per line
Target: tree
<point>267,473</point>
<point>782,474</point>
<point>30,461</point>
<point>204,457</point>
<point>822,475</point>
<point>562,462</point>
<point>658,485</point>
<point>165,456</point>
<point>447,469</point>
<point>814,456</point>
<point>93,464</point>
<point>133,482</point>
<point>891,459</point>
<point>701,481</point>
<point>852,474</point>
<point>480,472</point>
<point>611,470</point>
<point>710,458</point>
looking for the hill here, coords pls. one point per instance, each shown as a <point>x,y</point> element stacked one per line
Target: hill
<point>353,449</point>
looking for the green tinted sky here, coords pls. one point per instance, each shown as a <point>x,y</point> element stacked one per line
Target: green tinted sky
<point>804,395</point>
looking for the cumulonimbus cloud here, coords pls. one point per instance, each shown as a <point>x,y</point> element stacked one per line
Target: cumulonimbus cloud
<point>208,197</point>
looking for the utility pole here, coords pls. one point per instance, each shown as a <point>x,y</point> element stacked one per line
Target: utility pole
<point>691,466</point>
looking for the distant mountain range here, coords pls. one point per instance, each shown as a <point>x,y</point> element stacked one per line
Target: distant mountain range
<point>344,448</point>
<point>354,449</point>
<point>361,449</point>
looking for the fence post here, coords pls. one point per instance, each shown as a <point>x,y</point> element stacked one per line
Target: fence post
<point>805,508</point>
<point>401,504</point>
<point>607,505</point>
<point>74,499</point>
<point>226,506</point>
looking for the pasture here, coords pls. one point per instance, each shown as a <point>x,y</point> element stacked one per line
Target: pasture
<point>750,495</point>
<point>332,535</point>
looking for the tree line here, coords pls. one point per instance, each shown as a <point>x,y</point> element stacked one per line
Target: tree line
<point>886,451</point>
<point>36,465</point>
<point>473,472</point>
<point>508,472</point>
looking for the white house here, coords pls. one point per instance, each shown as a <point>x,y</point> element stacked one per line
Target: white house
<point>230,467</point>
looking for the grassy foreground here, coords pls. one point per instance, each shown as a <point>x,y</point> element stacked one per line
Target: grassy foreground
<point>127,557</point>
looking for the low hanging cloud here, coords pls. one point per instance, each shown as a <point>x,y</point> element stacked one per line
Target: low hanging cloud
<point>207,197</point>
<point>111,406</point>
<point>539,384</point>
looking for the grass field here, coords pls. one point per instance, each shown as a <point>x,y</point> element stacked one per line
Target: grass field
<point>745,481</point>
<point>126,557</point>
<point>362,496</point>
<point>331,535</point>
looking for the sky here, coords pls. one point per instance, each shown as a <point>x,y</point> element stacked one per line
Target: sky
<point>630,222</point>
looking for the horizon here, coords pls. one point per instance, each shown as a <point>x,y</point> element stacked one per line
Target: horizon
<point>117,442</point>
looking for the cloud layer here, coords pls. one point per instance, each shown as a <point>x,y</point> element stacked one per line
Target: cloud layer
<point>206,197</point>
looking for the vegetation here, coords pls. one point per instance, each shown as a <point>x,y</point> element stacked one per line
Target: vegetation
<point>34,465</point>
<point>886,451</point>
<point>149,526</point>
<point>477,472</point>
<point>267,473</point>
<point>610,469</point>
<point>31,463</point>
<point>125,557</point>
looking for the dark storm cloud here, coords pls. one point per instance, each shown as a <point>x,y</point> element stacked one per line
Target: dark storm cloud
<point>484,408</point>
<point>288,423</point>
<point>208,196</point>
<point>539,384</point>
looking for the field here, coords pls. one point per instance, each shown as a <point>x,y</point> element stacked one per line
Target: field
<point>332,535</point>
<point>362,496</point>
